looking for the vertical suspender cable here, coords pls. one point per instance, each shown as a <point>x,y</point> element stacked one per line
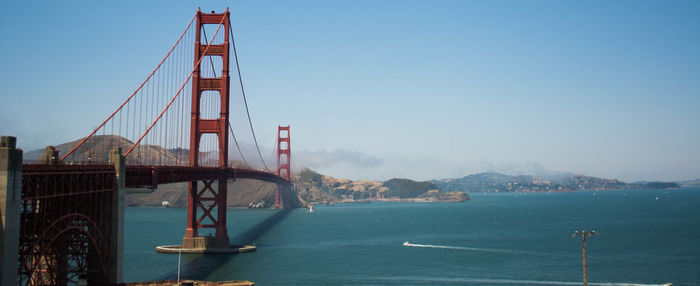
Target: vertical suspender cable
<point>175,96</point>
<point>132,95</point>
<point>245,101</point>
<point>237,147</point>
<point>211,62</point>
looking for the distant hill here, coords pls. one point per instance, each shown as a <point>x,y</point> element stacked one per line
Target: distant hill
<point>313,187</point>
<point>405,188</point>
<point>98,146</point>
<point>241,193</point>
<point>496,182</point>
<point>93,148</point>
<point>97,150</point>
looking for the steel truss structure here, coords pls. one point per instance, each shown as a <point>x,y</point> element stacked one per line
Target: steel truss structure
<point>208,202</point>
<point>66,224</point>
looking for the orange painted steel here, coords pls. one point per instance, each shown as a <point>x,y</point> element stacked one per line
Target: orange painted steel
<point>132,95</point>
<point>219,127</point>
<point>152,176</point>
<point>284,170</point>
<point>66,226</point>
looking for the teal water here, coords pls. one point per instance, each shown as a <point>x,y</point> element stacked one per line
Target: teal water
<point>495,239</point>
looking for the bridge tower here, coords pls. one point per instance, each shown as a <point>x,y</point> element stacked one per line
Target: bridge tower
<point>203,201</point>
<point>283,165</point>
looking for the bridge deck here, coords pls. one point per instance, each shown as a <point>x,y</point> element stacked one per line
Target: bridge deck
<point>147,176</point>
<point>151,176</point>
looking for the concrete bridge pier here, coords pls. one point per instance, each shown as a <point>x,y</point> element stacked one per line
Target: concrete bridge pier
<point>10,203</point>
<point>117,159</point>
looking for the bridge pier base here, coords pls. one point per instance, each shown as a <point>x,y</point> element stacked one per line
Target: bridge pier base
<point>10,200</point>
<point>205,242</point>
<point>211,195</point>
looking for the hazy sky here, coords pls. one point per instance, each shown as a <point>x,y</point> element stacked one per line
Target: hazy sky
<point>381,89</point>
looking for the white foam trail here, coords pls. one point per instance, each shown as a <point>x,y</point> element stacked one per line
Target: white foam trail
<point>465,248</point>
<point>627,284</point>
<point>508,281</point>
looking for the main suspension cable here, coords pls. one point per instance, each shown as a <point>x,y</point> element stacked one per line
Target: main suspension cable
<point>134,93</point>
<point>245,101</point>
<point>272,154</point>
<point>237,146</point>
<point>176,94</point>
<point>206,41</point>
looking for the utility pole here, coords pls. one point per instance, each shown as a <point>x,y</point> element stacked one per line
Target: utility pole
<point>584,234</point>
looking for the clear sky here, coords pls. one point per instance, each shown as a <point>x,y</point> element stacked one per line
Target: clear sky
<point>382,89</point>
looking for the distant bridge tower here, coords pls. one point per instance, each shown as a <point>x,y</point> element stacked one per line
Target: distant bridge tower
<point>207,199</point>
<point>283,165</point>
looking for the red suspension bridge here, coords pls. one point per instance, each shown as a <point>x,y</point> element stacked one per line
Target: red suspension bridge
<point>175,127</point>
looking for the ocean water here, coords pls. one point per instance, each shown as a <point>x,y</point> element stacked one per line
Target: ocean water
<point>647,237</point>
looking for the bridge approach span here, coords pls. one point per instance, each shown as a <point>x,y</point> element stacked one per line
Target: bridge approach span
<point>152,176</point>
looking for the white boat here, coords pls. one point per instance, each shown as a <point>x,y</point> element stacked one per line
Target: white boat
<point>311,208</point>
<point>406,243</point>
<point>165,204</point>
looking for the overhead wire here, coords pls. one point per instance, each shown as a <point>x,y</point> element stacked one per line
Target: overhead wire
<point>238,147</point>
<point>132,95</point>
<point>272,154</point>
<point>174,97</point>
<point>245,101</point>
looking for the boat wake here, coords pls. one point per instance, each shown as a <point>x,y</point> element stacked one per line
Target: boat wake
<point>465,248</point>
<point>487,281</point>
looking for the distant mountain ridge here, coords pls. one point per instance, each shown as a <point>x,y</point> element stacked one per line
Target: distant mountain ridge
<point>98,146</point>
<point>313,187</point>
<point>496,182</point>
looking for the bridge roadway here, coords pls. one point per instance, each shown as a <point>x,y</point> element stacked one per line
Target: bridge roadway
<point>152,176</point>
<point>149,176</point>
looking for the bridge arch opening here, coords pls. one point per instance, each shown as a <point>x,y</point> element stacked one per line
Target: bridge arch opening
<point>284,159</point>
<point>209,150</point>
<point>210,105</point>
<point>211,66</point>
<point>70,249</point>
<point>208,31</point>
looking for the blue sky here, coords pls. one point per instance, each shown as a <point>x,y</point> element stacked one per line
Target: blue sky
<point>382,89</point>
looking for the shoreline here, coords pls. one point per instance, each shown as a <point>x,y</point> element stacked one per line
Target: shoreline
<point>432,200</point>
<point>576,191</point>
